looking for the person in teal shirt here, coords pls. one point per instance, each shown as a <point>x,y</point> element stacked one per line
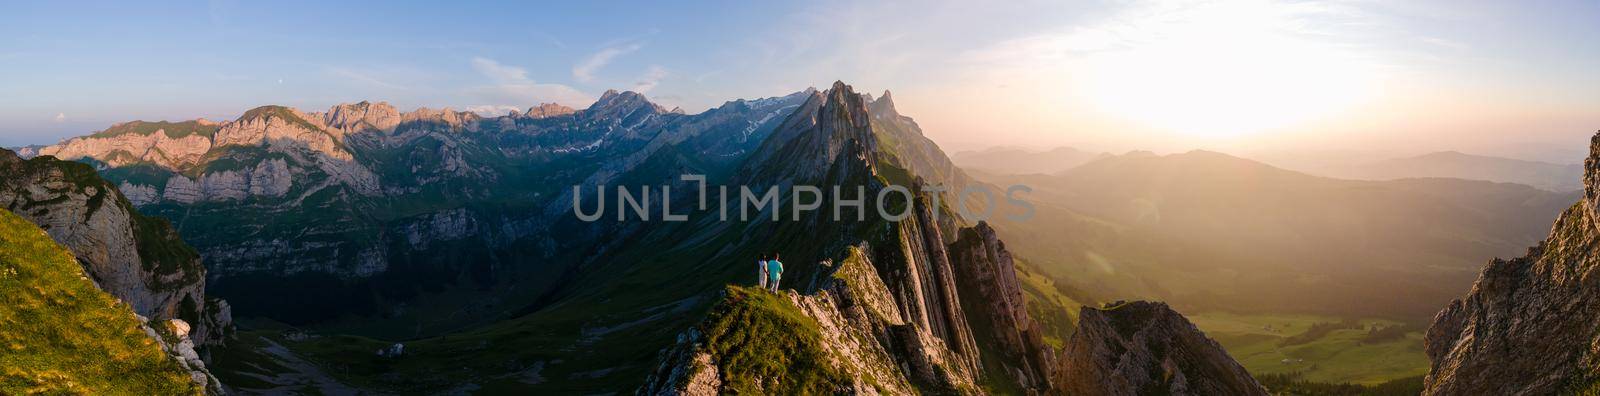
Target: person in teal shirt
<point>774,272</point>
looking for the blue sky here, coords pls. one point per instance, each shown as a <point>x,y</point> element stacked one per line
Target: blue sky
<point>1165,75</point>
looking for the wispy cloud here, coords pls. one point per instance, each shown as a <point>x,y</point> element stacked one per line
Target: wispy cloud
<point>493,110</point>
<point>584,71</point>
<point>495,70</point>
<point>511,85</point>
<point>650,79</point>
<point>61,117</point>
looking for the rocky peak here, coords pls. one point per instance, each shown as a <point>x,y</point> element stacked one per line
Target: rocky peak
<point>269,112</point>
<point>362,116</point>
<point>544,110</point>
<point>623,105</point>
<point>1144,348</point>
<point>829,135</point>
<point>1527,326</point>
<point>884,104</point>
<point>442,117</point>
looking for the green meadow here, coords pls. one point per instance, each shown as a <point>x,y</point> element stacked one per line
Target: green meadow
<point>1343,350</point>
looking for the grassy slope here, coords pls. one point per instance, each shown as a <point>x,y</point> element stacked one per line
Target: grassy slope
<point>1337,357</point>
<point>64,335</point>
<point>763,343</point>
<point>173,130</point>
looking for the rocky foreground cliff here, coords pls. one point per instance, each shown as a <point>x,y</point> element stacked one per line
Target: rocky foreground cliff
<point>62,335</point>
<point>138,259</point>
<point>852,334</point>
<point>1529,325</point>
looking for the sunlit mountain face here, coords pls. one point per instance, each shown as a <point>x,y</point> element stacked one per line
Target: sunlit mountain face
<point>1154,197</point>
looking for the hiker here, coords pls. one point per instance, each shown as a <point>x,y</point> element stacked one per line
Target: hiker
<point>761,271</point>
<point>774,272</point>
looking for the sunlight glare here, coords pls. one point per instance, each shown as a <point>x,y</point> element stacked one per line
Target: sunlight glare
<point>1224,71</point>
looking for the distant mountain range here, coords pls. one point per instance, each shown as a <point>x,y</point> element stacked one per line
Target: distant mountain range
<point>1451,164</point>
<point>1205,230</point>
<point>1015,161</point>
<point>1443,164</point>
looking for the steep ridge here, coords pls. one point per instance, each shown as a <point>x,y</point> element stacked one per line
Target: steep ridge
<point>138,259</point>
<point>905,311</point>
<point>1145,348</point>
<point>1528,325</point>
<point>63,335</point>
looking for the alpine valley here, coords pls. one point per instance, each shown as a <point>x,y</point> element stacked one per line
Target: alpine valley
<point>365,250</point>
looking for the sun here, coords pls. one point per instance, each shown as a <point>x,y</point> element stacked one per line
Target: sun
<point>1230,70</point>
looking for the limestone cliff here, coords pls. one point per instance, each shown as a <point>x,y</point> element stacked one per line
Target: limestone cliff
<point>136,258</point>
<point>988,283</point>
<point>1529,325</point>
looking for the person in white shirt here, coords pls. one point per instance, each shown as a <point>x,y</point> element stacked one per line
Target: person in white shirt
<point>761,268</point>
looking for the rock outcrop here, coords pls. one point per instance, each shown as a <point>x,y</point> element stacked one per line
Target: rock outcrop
<point>988,282</point>
<point>173,336</point>
<point>547,110</point>
<point>168,144</point>
<point>1146,348</point>
<point>1529,325</point>
<point>138,259</point>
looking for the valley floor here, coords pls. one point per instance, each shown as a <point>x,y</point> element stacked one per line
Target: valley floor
<point>1321,348</point>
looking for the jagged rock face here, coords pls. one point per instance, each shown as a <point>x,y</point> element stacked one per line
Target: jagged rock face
<point>137,141</point>
<point>1142,348</point>
<point>867,301</point>
<point>546,110</point>
<point>364,116</point>
<point>1529,325</point>
<point>626,108</point>
<point>927,290</point>
<point>137,259</point>
<point>988,280</point>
